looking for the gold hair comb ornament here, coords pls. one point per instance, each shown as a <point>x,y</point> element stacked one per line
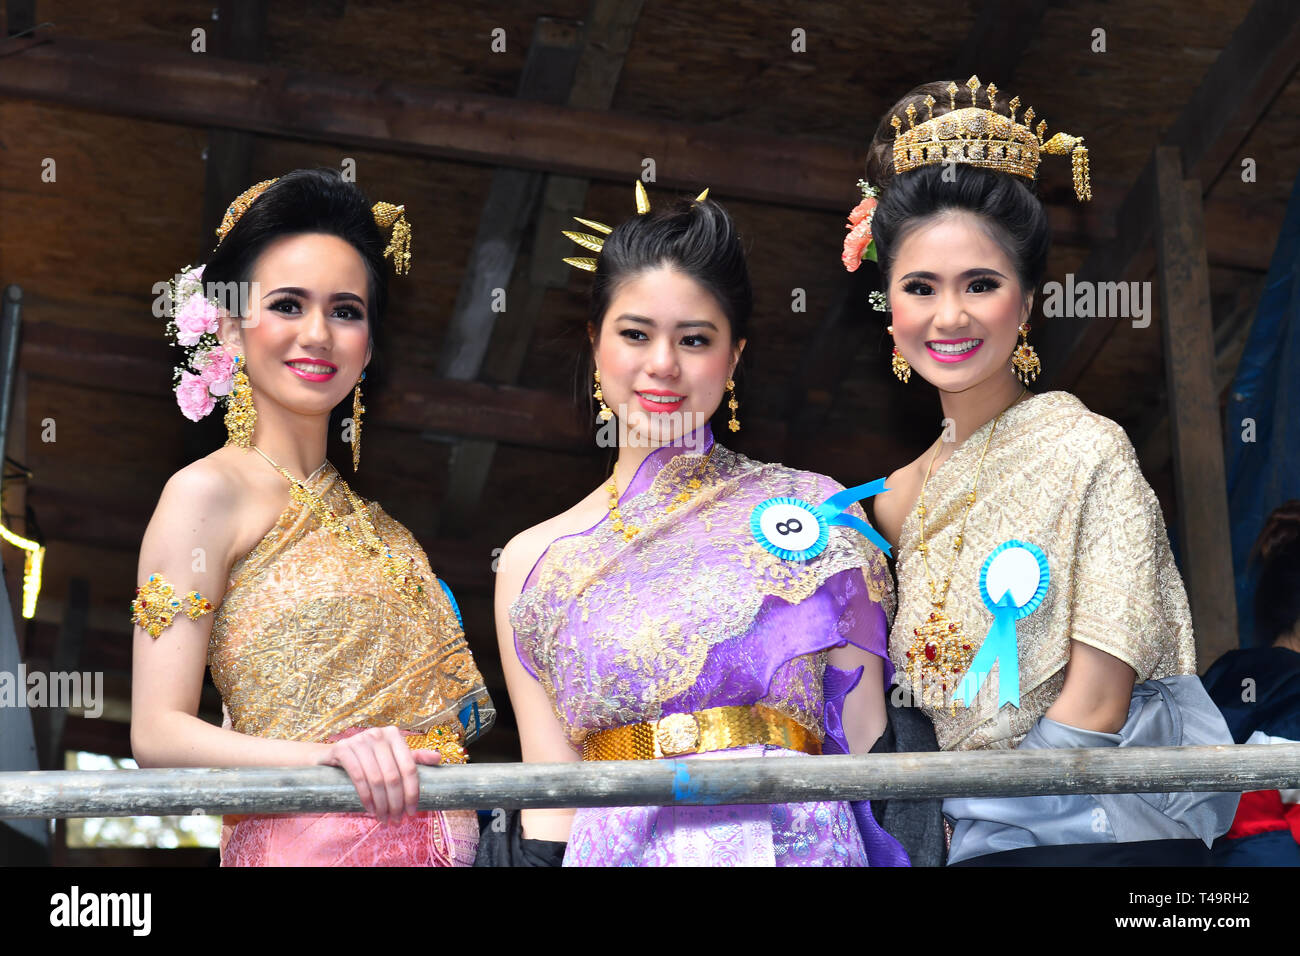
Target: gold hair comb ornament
<point>596,243</point>
<point>387,216</point>
<point>980,136</point>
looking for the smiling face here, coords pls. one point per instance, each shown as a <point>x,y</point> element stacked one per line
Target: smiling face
<point>664,353</point>
<point>306,338</point>
<point>957,303</point>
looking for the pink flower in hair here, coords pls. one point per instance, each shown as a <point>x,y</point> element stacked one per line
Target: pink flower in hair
<point>857,244</point>
<point>194,318</point>
<point>216,367</point>
<point>193,397</point>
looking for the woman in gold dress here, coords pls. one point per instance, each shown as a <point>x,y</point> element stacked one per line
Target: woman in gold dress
<point>329,637</point>
<point>1039,603</point>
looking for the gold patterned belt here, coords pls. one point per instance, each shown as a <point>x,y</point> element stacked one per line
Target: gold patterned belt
<point>444,739</point>
<point>717,728</point>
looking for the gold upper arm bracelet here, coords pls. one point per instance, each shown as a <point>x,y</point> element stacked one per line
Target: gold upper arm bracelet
<point>156,605</point>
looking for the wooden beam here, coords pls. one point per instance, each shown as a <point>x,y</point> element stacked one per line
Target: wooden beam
<point>1193,401</point>
<point>998,40</point>
<point>512,198</point>
<point>1150,433</point>
<point>206,90</point>
<point>1261,56</point>
<point>582,142</point>
<point>410,400</point>
<point>240,34</point>
<point>591,84</point>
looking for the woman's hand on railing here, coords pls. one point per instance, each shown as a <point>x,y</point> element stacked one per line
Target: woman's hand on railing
<point>383,769</point>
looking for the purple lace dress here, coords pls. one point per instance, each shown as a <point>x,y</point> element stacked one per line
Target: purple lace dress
<point>693,613</point>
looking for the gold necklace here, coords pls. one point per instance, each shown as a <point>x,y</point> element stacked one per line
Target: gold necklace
<point>404,576</point>
<point>940,649</point>
<point>630,531</point>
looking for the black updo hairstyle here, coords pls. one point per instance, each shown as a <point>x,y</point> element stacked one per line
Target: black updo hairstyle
<point>1277,594</point>
<point>1007,204</point>
<point>695,237</point>
<point>308,201</point>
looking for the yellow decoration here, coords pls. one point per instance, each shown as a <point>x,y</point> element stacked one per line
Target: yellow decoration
<point>597,243</point>
<point>156,605</point>
<point>386,216</point>
<point>983,137</point>
<point>32,564</point>
<point>363,539</point>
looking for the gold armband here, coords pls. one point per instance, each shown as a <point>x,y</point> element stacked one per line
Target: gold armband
<point>156,605</point>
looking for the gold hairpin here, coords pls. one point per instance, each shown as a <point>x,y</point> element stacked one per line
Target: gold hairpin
<point>597,243</point>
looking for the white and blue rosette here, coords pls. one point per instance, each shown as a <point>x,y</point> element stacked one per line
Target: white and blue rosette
<point>1017,573</point>
<point>795,530</point>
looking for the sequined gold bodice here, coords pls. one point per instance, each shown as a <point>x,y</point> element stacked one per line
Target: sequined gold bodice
<point>1065,479</point>
<point>312,639</point>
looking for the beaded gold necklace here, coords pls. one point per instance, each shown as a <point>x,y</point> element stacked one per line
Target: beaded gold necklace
<point>940,649</point>
<point>358,533</point>
<point>691,485</point>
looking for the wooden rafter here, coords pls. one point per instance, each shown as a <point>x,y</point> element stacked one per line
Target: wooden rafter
<point>1261,56</point>
<point>591,84</point>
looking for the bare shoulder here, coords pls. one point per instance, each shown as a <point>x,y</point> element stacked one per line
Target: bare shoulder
<point>522,551</point>
<point>202,490</point>
<point>892,506</point>
<point>217,501</point>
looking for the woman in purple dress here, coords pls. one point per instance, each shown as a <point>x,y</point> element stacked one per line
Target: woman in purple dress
<point>649,620</point>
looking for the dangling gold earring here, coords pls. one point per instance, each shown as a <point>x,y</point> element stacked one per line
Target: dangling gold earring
<point>241,414</point>
<point>902,371</point>
<point>357,409</point>
<point>1024,359</point>
<point>732,404</point>
<point>606,413</point>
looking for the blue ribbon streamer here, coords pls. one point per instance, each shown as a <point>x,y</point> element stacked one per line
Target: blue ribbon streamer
<point>1000,644</point>
<point>832,510</point>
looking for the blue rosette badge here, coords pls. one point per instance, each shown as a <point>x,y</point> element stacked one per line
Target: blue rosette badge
<point>795,530</point>
<point>1013,582</point>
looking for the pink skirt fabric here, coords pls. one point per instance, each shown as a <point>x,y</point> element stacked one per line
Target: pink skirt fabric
<point>434,838</point>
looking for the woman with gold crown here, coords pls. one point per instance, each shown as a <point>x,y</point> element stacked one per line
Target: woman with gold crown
<point>696,605</point>
<point>1039,604</point>
<point>329,637</point>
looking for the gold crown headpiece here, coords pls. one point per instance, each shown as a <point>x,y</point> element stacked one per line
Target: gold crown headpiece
<point>596,243</point>
<point>983,137</point>
<point>386,216</point>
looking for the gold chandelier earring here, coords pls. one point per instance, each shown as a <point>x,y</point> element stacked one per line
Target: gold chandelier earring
<point>606,413</point>
<point>357,409</point>
<point>902,371</point>
<point>732,404</point>
<point>241,415</point>
<point>1024,359</point>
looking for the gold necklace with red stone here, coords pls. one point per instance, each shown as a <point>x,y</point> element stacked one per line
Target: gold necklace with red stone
<point>940,650</point>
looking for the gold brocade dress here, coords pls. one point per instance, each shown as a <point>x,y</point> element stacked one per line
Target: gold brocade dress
<point>312,642</point>
<point>1065,479</point>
